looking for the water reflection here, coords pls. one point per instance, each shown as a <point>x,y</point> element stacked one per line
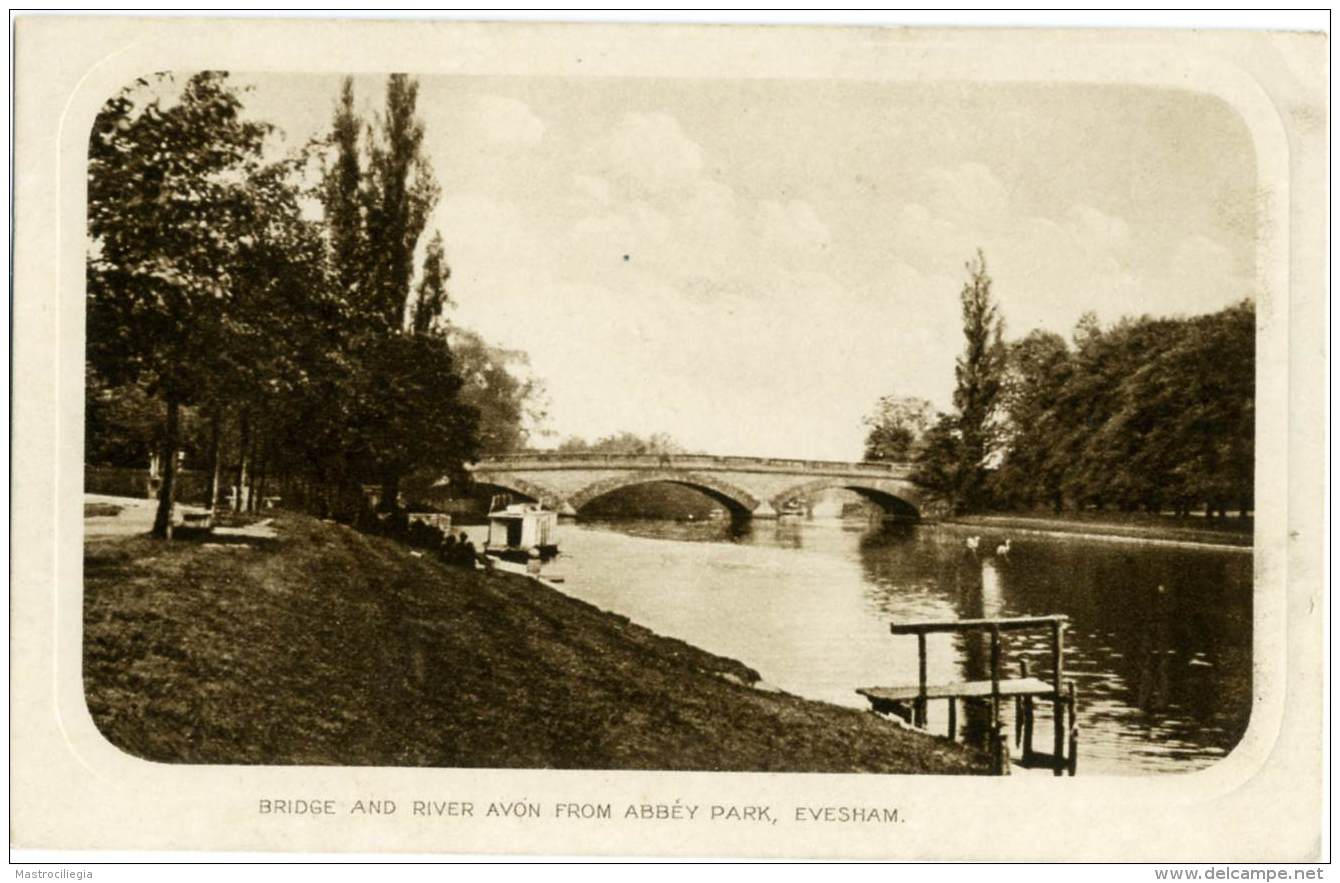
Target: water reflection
<point>1159,643</point>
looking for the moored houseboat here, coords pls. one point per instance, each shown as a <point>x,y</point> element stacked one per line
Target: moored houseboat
<point>516,529</point>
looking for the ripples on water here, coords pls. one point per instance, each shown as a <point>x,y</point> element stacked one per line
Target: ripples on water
<point>1163,675</point>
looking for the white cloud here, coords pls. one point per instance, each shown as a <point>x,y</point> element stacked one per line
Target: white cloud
<point>592,188</point>
<point>1097,232</point>
<point>969,193</point>
<point>505,121</point>
<point>792,228</point>
<point>1047,270</point>
<point>1200,277</point>
<point>653,281</point>
<point>649,152</point>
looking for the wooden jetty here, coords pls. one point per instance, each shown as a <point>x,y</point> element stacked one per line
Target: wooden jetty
<point>911,701</point>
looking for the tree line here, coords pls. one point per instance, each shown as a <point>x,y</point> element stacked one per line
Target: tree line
<point>272,316</point>
<point>1147,414</point>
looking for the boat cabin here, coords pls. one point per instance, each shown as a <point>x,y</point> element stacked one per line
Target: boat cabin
<point>520,527</point>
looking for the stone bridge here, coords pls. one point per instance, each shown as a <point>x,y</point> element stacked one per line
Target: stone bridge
<point>747,486</point>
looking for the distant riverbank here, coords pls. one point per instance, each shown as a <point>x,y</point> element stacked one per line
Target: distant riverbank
<point>1160,530</point>
<point>322,645</point>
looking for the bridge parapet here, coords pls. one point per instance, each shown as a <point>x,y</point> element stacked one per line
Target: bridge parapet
<point>545,460</point>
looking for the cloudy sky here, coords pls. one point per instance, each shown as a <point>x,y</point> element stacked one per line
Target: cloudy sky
<point>749,265</point>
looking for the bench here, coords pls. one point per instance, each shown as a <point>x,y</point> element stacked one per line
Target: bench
<point>198,520</point>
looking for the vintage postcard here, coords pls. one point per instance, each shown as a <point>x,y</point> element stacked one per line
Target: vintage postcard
<point>658,440</point>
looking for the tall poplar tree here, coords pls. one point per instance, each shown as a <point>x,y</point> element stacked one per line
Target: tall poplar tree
<point>399,194</point>
<point>979,373</point>
<point>342,196</point>
<point>405,415</point>
<point>959,446</point>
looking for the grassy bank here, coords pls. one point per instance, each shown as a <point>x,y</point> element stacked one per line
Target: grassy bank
<point>1135,525</point>
<point>325,646</point>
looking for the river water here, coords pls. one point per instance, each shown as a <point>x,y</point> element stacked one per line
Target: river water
<point>1159,643</point>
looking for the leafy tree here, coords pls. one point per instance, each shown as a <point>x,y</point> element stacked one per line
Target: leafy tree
<point>403,413</point>
<point>432,298</point>
<point>1036,369</point>
<point>979,373</point>
<point>341,194</point>
<point>968,436</point>
<point>624,443</point>
<point>399,193</point>
<point>1150,413</point>
<point>1187,415</point>
<point>166,192</point>
<point>940,461</point>
<point>287,313</point>
<point>497,384</point>
<point>123,425</point>
<point>896,427</point>
<point>419,427</point>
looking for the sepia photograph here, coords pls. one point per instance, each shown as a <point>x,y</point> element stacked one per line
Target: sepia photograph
<point>669,425</point>
<point>449,418</point>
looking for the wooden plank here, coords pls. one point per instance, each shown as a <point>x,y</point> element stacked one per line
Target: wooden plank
<point>961,690</point>
<point>1005,624</point>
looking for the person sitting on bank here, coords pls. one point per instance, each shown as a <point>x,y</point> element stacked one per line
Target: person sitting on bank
<point>448,550</point>
<point>467,552</point>
<point>470,555</point>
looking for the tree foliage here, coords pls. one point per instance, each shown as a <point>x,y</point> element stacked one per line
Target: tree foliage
<point>1151,413</point>
<point>897,427</point>
<point>291,350</point>
<point>623,443</point>
<point>169,209</point>
<point>398,193</point>
<point>1154,414</point>
<point>497,384</point>
<point>968,436</point>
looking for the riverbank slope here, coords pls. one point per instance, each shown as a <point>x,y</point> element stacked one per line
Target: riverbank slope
<point>321,645</point>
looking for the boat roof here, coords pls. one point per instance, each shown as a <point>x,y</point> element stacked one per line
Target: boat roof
<point>521,510</point>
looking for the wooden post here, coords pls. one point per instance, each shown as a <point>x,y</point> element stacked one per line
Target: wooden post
<point>1073,760</point>
<point>1019,706</point>
<point>1028,729</point>
<point>995,677</point>
<point>1058,707</point>
<point>953,718</point>
<point>1002,751</point>
<point>921,680</point>
<point>1027,718</point>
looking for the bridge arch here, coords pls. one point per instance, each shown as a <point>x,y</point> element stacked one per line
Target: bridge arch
<point>739,501</point>
<point>897,499</point>
<point>532,490</point>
